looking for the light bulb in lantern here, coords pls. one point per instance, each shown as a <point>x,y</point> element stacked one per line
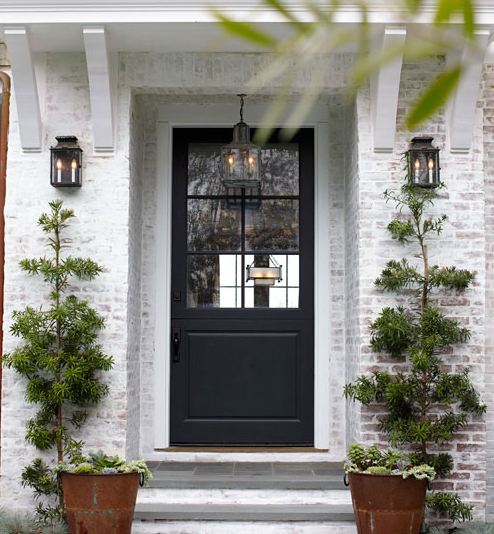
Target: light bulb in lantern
<point>417,170</point>
<point>231,160</point>
<point>73,167</point>
<point>250,161</point>
<point>59,170</point>
<point>431,169</point>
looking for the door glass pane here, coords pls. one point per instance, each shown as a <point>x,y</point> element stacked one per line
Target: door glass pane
<point>280,169</point>
<point>273,226</point>
<point>204,169</point>
<point>211,225</point>
<point>244,222</point>
<point>214,281</point>
<point>279,295</point>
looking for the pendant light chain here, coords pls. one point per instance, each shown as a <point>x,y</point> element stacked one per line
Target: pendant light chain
<point>242,96</point>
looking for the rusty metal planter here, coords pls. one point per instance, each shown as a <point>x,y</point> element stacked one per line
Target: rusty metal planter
<point>386,504</point>
<point>97,504</point>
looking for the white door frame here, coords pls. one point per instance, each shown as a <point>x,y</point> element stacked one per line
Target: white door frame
<point>225,115</point>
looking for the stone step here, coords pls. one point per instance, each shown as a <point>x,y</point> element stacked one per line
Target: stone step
<point>243,497</point>
<point>248,475</point>
<point>244,527</point>
<point>244,512</point>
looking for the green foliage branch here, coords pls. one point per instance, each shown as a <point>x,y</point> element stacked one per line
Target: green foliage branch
<point>100,463</point>
<point>375,461</point>
<point>425,404</point>
<point>59,357</point>
<point>307,40</point>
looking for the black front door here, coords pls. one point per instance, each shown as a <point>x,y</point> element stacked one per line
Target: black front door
<point>242,354</point>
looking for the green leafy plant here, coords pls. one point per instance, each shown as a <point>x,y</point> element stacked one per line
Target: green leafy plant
<point>426,404</point>
<point>375,461</point>
<point>59,357</point>
<point>20,522</point>
<point>99,463</point>
<point>471,528</point>
<point>301,46</point>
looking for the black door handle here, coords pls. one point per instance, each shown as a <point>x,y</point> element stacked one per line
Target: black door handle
<point>176,344</point>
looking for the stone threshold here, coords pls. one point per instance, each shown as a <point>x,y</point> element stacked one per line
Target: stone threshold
<point>247,475</point>
<point>186,448</point>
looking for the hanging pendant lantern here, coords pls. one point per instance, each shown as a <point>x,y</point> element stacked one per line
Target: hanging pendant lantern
<point>265,276</point>
<point>241,158</point>
<point>423,162</point>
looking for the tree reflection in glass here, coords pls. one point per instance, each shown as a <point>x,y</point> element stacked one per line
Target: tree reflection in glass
<point>216,249</point>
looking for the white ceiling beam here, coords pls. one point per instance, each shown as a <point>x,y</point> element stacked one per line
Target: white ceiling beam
<point>384,93</point>
<point>170,11</point>
<point>25,88</point>
<point>461,116</point>
<point>98,69</point>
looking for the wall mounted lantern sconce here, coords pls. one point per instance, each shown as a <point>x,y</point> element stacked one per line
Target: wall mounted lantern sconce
<point>241,158</point>
<point>66,163</point>
<point>265,276</point>
<point>423,162</point>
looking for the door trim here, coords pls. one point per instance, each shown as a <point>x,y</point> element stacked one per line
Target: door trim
<point>224,115</point>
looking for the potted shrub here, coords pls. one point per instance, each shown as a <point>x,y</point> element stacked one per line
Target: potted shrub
<point>61,361</point>
<point>427,399</point>
<point>388,491</point>
<point>100,492</point>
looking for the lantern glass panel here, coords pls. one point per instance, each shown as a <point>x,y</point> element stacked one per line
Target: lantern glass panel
<point>66,163</point>
<point>423,162</point>
<point>241,166</point>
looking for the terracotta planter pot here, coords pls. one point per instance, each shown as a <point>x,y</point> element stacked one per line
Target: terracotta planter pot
<point>97,504</point>
<point>386,504</point>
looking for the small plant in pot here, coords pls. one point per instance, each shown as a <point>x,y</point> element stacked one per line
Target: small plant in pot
<point>62,364</point>
<point>430,396</point>
<point>100,492</point>
<point>388,491</point>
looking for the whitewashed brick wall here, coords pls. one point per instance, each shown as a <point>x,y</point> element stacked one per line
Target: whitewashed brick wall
<point>463,201</point>
<point>352,281</point>
<point>487,106</point>
<point>99,231</point>
<point>115,225</point>
<point>134,311</point>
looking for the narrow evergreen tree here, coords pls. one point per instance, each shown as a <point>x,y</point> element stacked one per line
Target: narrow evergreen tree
<point>426,404</point>
<point>59,357</point>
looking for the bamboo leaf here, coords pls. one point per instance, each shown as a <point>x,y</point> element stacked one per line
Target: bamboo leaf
<point>434,96</point>
<point>468,18</point>
<point>447,8</point>
<point>413,5</point>
<point>278,6</point>
<point>245,31</point>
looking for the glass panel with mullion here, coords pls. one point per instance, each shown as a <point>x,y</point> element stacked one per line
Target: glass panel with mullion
<point>273,226</point>
<point>280,169</point>
<point>204,169</point>
<point>214,281</point>
<point>280,294</point>
<point>212,226</point>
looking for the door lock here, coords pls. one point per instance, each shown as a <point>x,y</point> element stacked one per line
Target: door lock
<point>176,344</point>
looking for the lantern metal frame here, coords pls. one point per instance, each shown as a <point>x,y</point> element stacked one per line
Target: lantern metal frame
<point>66,162</point>
<point>241,158</point>
<point>265,276</point>
<point>423,163</point>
